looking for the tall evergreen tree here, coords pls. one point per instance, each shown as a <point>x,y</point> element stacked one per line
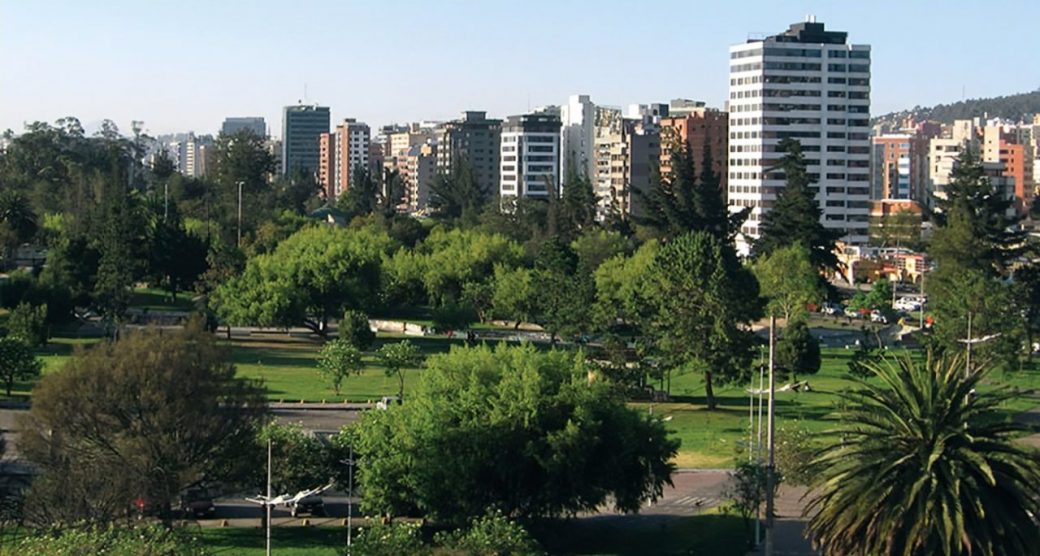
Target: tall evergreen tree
<point>577,206</point>
<point>704,300</point>
<point>976,227</point>
<point>684,201</point>
<point>362,198</point>
<point>457,193</point>
<point>795,217</point>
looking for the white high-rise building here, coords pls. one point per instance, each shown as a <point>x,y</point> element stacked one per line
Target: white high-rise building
<point>578,137</point>
<point>530,156</point>
<point>808,84</point>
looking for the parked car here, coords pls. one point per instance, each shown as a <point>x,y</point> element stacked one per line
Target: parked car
<point>851,313</point>
<point>908,304</point>
<point>388,401</point>
<point>876,316</point>
<point>313,505</point>
<point>196,502</point>
<point>831,309</point>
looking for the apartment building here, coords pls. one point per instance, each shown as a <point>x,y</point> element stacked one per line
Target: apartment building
<point>530,156</point>
<point>809,84</point>
<point>475,139</point>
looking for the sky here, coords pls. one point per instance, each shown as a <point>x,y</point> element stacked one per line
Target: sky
<point>186,65</point>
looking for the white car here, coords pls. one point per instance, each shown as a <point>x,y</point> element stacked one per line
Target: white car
<point>876,316</point>
<point>907,304</point>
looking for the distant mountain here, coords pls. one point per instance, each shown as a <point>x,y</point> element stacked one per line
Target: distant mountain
<point>1012,107</point>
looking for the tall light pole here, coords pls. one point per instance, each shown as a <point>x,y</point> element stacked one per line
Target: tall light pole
<point>240,183</point>
<point>771,440</point>
<point>267,507</point>
<point>350,496</point>
<point>970,341</point>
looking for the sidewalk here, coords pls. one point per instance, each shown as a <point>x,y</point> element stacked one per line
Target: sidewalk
<point>790,525</point>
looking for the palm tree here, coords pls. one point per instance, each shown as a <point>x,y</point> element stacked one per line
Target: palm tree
<point>18,214</point>
<point>925,466</point>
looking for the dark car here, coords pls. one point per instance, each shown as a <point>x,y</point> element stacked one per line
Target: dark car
<point>197,503</point>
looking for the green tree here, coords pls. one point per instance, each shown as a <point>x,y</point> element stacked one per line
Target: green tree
<point>362,198</point>
<point>241,160</point>
<point>453,258</point>
<point>18,214</point>
<point>514,296</point>
<point>338,360</point>
<point>146,416</point>
<point>595,246</point>
<point>150,540</point>
<point>795,216</point>
<point>29,322</point>
<point>491,535</point>
<point>898,229</point>
<point>565,290</point>
<point>396,357</point>
<point>789,281</point>
<point>355,329</point>
<point>316,273</point>
<point>456,194</point>
<point>797,352</point>
<point>300,461</point>
<point>704,301</point>
<point>976,228</point>
<point>17,362</point>
<point>926,465</point>
<point>391,539</point>
<point>176,258</point>
<point>683,201</point>
<point>577,207</point>
<point>511,428</point>
<point>117,264</point>
<point>1026,293</point>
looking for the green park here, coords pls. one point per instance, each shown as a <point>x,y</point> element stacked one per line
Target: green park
<point>528,376</point>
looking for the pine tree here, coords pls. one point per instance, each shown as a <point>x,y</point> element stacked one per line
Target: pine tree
<point>795,217</point>
<point>683,201</point>
<point>975,224</point>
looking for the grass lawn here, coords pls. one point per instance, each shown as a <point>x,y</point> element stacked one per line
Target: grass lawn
<point>635,535</point>
<point>285,541</point>
<point>709,439</point>
<point>157,299</point>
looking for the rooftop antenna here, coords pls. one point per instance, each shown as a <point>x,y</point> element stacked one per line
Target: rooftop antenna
<point>305,99</point>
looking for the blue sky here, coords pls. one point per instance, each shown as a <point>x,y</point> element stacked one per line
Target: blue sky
<point>185,65</point>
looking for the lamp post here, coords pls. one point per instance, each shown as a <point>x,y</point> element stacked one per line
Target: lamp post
<point>350,496</point>
<point>771,440</point>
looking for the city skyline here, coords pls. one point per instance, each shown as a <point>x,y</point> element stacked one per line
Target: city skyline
<point>178,71</point>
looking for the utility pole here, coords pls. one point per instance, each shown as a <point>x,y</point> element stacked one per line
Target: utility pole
<point>922,292</point>
<point>771,440</point>
<point>240,217</point>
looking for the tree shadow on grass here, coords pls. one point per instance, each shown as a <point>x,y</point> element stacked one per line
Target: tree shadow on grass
<point>638,535</point>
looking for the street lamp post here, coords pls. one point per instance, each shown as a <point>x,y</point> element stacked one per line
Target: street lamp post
<point>771,440</point>
<point>350,496</point>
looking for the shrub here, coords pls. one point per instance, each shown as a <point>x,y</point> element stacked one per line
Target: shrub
<point>355,330</point>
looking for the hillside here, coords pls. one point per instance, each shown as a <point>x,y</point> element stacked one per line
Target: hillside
<point>1011,107</point>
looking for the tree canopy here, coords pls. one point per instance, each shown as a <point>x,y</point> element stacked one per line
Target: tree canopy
<point>309,278</point>
<point>143,417</point>
<point>704,301</point>
<point>510,428</point>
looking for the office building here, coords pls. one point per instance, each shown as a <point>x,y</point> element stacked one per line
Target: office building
<point>473,138</point>
<point>809,84</point>
<point>255,125</point>
<point>530,156</point>
<point>302,126</point>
